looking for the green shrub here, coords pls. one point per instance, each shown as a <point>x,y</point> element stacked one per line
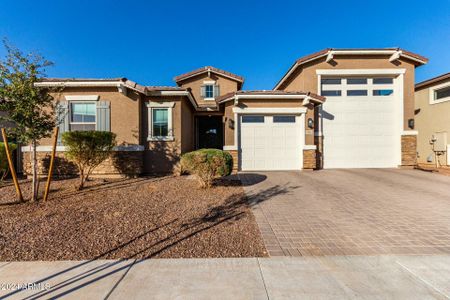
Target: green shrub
<point>207,164</point>
<point>88,149</point>
<point>4,167</point>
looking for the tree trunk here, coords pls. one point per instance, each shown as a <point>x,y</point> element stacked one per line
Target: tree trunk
<point>35,180</point>
<point>81,186</point>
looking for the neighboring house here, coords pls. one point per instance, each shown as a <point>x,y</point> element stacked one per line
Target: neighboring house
<point>433,119</point>
<point>366,120</point>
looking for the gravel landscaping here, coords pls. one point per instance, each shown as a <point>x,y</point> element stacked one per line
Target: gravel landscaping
<point>166,217</point>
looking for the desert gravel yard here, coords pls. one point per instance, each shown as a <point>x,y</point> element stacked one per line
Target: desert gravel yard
<point>166,217</point>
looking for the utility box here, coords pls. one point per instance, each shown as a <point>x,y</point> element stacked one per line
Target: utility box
<point>441,141</point>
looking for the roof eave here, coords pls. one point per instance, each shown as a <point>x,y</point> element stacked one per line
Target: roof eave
<point>174,93</point>
<point>395,54</point>
<point>432,81</point>
<point>181,78</point>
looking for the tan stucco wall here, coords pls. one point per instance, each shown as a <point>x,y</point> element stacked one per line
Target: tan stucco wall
<point>194,83</point>
<point>430,118</point>
<point>124,111</point>
<point>229,132</point>
<point>161,156</point>
<point>305,77</point>
<point>187,127</point>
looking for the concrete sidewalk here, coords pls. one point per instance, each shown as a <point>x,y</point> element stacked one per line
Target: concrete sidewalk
<point>337,277</point>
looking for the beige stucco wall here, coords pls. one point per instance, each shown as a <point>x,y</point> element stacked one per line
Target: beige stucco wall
<point>305,77</point>
<point>187,127</point>
<point>429,119</point>
<point>161,156</point>
<point>124,111</point>
<point>194,83</point>
<point>228,117</point>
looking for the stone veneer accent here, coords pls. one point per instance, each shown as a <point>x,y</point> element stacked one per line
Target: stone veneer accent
<point>409,150</point>
<point>121,163</point>
<point>309,159</point>
<point>234,154</point>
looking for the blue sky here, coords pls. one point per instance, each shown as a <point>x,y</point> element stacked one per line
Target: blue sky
<point>153,41</point>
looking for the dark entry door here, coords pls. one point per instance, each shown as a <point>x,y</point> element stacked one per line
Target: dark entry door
<point>210,132</point>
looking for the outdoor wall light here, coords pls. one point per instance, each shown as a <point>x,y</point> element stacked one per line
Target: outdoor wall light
<point>411,123</point>
<point>231,123</point>
<point>310,123</point>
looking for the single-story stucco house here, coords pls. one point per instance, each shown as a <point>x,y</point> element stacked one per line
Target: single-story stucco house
<point>337,108</point>
<point>433,120</point>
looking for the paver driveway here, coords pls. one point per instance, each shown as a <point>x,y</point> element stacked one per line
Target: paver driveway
<point>351,211</point>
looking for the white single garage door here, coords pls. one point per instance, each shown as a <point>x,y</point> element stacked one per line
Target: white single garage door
<point>271,142</point>
<point>360,123</point>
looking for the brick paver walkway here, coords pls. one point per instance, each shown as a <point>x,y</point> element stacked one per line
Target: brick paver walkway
<point>351,212</point>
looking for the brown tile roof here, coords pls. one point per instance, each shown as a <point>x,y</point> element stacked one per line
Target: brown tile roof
<point>72,79</point>
<point>129,83</point>
<point>164,88</point>
<point>210,69</point>
<point>432,81</point>
<point>324,52</point>
<point>231,95</point>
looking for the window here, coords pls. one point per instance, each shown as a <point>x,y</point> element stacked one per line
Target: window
<point>209,91</point>
<point>331,93</point>
<point>442,93</point>
<point>356,80</point>
<point>160,122</point>
<point>383,80</point>
<point>284,119</point>
<point>356,92</point>
<point>252,119</point>
<point>331,81</point>
<point>82,116</point>
<point>382,92</point>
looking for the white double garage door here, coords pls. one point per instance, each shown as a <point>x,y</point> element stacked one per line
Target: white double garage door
<point>360,120</point>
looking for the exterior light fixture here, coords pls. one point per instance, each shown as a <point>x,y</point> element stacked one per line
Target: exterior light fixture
<point>411,123</point>
<point>310,123</point>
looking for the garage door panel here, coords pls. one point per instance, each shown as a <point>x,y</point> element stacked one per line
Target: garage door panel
<point>360,131</point>
<point>271,146</point>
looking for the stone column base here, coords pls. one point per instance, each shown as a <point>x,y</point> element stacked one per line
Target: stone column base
<point>234,154</point>
<point>309,159</point>
<point>409,150</point>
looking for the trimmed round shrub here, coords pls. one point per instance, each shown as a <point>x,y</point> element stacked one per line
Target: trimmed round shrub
<point>207,165</point>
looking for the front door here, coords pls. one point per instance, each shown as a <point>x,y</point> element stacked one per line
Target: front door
<point>209,132</point>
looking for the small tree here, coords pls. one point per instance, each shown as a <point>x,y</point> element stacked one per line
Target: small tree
<point>88,149</point>
<point>4,167</point>
<point>30,108</point>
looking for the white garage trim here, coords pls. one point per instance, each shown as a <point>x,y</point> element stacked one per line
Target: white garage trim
<point>229,148</point>
<point>270,110</point>
<point>309,147</point>
<point>410,132</point>
<point>342,72</point>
